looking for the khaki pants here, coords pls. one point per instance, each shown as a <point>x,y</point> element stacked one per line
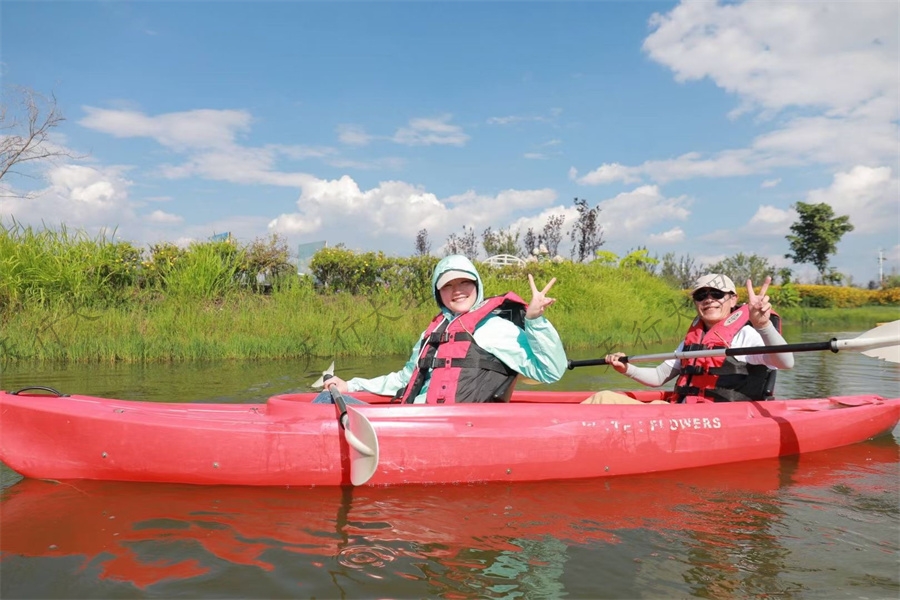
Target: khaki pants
<point>607,397</point>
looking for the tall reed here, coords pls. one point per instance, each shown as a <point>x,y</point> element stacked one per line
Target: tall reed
<point>70,297</point>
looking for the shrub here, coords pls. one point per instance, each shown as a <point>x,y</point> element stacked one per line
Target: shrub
<point>786,295</point>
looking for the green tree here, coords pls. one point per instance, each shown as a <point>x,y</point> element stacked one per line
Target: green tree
<point>530,241</point>
<point>639,259</point>
<point>680,272</point>
<point>586,233</point>
<point>551,234</point>
<point>742,267</point>
<point>423,246</point>
<point>605,257</point>
<point>463,244</point>
<point>27,119</point>
<point>500,242</point>
<point>816,236</point>
<point>786,275</point>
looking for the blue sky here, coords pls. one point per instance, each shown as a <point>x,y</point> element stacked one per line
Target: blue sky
<point>694,126</point>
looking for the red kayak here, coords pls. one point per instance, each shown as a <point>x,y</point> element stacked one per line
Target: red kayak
<point>537,436</point>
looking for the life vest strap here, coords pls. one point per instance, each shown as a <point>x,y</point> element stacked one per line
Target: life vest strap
<point>463,363</point>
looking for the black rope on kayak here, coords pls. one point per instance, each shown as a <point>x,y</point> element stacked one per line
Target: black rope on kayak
<point>40,387</point>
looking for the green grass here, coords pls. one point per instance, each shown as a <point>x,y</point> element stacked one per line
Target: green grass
<point>595,304</point>
<point>71,298</point>
<point>864,317</point>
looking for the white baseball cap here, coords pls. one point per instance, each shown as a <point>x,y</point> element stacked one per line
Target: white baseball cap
<point>716,282</point>
<point>448,276</point>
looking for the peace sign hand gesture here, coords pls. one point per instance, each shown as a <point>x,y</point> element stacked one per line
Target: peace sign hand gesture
<point>539,299</point>
<point>760,309</point>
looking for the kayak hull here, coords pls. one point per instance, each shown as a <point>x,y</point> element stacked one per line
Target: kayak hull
<point>538,436</point>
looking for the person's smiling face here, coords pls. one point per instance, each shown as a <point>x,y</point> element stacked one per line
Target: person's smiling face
<point>459,295</point>
<point>711,309</point>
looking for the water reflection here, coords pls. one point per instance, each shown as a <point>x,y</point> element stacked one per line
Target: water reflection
<point>715,532</point>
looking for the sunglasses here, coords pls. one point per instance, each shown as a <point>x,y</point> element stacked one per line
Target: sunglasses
<point>701,295</point>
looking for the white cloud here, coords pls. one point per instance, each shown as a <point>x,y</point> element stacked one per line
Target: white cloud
<point>353,135</point>
<point>237,165</point>
<point>158,216</point>
<point>672,236</point>
<point>606,173</point>
<point>203,128</point>
<point>302,152</point>
<point>772,216</point>
<point>389,162</point>
<point>835,55</point>
<point>514,119</point>
<point>79,196</point>
<point>632,214</point>
<point>396,210</point>
<point>427,132</point>
<point>869,196</point>
<point>769,221</point>
<point>770,183</point>
<point>835,61</point>
<point>828,140</point>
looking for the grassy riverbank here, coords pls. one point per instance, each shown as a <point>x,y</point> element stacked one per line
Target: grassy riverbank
<point>605,312</point>
<point>68,298</point>
<point>294,320</point>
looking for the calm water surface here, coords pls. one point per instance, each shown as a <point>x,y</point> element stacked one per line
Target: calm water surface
<point>823,525</point>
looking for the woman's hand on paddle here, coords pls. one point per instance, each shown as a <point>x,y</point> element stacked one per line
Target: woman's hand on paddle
<point>760,309</point>
<point>340,383</point>
<point>613,361</point>
<point>539,299</point>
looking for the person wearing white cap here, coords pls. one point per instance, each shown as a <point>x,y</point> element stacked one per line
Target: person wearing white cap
<point>720,323</point>
<point>475,348</point>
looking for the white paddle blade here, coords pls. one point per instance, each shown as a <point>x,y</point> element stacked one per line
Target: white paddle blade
<point>882,342</point>
<point>889,352</point>
<point>320,382</point>
<point>363,444</point>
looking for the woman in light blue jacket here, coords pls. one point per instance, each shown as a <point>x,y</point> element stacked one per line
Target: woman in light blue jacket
<point>475,347</point>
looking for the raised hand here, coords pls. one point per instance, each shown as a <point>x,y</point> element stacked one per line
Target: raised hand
<point>760,309</point>
<point>539,299</point>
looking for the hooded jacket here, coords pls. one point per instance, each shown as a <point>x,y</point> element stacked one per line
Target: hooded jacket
<point>534,351</point>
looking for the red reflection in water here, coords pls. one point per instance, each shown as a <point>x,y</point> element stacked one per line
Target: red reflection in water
<point>371,527</point>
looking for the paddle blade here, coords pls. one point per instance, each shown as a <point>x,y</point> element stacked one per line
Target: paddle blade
<point>363,444</point>
<point>320,382</point>
<point>888,340</point>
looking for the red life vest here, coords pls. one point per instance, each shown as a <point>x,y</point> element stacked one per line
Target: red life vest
<point>459,369</point>
<point>722,378</point>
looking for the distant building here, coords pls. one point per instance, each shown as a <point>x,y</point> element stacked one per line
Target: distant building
<point>221,237</point>
<point>305,253</point>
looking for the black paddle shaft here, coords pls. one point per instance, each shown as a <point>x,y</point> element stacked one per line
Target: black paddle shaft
<point>338,399</point>
<point>804,347</point>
